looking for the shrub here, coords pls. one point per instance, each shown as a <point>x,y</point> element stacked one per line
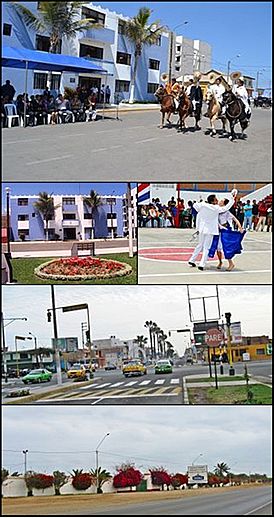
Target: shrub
<point>127,476</point>
<point>59,479</point>
<point>160,477</point>
<point>82,481</point>
<point>178,480</point>
<point>41,481</point>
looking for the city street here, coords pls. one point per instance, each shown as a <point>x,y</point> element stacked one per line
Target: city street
<point>111,387</point>
<point>164,254</point>
<point>136,149</point>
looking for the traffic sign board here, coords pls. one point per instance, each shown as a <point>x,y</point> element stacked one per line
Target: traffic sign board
<point>214,337</point>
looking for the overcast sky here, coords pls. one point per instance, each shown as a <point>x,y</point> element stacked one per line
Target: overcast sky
<point>171,436</point>
<point>123,310</point>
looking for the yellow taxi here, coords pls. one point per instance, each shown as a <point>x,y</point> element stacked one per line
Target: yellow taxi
<point>133,368</point>
<point>77,371</point>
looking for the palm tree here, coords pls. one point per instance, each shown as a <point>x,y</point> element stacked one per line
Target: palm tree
<point>58,20</point>
<point>170,350</point>
<point>93,202</point>
<point>101,476</point>
<point>222,469</point>
<point>59,479</point>
<point>141,33</point>
<point>141,341</point>
<point>46,207</point>
<point>156,332</point>
<point>149,325</point>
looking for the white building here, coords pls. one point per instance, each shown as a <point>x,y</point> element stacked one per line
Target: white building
<point>191,56</point>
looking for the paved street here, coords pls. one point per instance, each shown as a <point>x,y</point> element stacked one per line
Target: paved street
<point>164,255</point>
<point>240,502</point>
<point>111,387</point>
<point>135,149</point>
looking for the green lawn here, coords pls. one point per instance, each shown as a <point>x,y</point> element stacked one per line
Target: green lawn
<point>23,271</point>
<point>236,395</point>
<point>220,378</point>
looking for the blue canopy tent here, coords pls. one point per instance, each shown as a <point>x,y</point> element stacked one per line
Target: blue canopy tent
<point>37,60</point>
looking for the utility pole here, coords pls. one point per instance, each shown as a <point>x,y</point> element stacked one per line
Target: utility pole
<point>96,461</point>
<point>130,220</point>
<point>229,352</point>
<point>25,453</point>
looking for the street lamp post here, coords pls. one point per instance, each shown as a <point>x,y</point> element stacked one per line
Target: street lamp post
<point>16,338</point>
<point>96,460</point>
<point>25,453</point>
<point>10,321</point>
<point>259,73</point>
<point>8,219</point>
<point>229,66</point>
<point>130,220</point>
<point>35,348</point>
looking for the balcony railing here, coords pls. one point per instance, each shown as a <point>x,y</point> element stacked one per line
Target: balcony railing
<point>103,35</point>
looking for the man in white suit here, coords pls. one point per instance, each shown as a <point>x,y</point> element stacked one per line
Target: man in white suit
<point>208,225</point>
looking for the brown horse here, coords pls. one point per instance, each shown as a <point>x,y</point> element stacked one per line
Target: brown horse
<point>185,109</point>
<point>214,113</point>
<point>167,104</point>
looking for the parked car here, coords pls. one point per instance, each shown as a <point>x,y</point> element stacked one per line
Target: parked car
<point>37,376</point>
<point>134,368</point>
<point>77,372</point>
<point>110,367</point>
<point>163,367</point>
<point>89,367</point>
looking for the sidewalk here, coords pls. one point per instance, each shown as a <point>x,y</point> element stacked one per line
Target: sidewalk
<point>48,390</point>
<point>125,107</point>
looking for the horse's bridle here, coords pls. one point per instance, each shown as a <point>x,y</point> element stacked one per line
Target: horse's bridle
<point>231,116</point>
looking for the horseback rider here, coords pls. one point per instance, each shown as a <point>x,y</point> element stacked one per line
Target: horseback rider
<point>241,92</point>
<point>217,89</point>
<point>174,89</point>
<point>189,86</point>
<point>196,96</point>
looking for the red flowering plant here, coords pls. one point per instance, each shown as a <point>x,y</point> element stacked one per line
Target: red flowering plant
<point>127,476</point>
<point>39,481</point>
<point>160,477</point>
<point>179,480</point>
<point>82,267</point>
<point>81,480</point>
<point>213,480</point>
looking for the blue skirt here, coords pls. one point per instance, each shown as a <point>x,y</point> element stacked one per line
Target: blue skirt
<point>231,243</point>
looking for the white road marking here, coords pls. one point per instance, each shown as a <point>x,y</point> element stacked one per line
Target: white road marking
<point>24,140</point>
<point>202,273</point>
<point>115,147</point>
<point>97,401</point>
<point>88,387</point>
<point>146,140</point>
<point>159,382</point>
<point>99,149</point>
<point>49,159</point>
<point>117,384</point>
<point>71,135</point>
<point>258,508</point>
<point>103,385</point>
<point>146,382</point>
<point>131,383</point>
<point>174,381</point>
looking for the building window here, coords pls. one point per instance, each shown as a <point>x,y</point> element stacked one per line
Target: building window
<point>95,15</point>
<point>123,58</point>
<point>23,217</point>
<point>33,215</point>
<point>152,88</point>
<point>178,59</point>
<point>122,86</point>
<point>158,42</point>
<point>178,48</point>
<point>260,351</point>
<point>55,83</point>
<point>69,216</point>
<point>68,201</point>
<point>121,26</point>
<point>88,51</point>
<point>87,216</point>
<point>43,43</point>
<point>177,69</point>
<point>154,64</point>
<point>7,29</point>
<point>111,215</point>
<point>39,80</point>
<point>22,202</point>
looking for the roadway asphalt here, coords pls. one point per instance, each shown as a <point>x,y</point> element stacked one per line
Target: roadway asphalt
<point>110,387</point>
<point>237,502</point>
<point>136,149</point>
<point>164,253</point>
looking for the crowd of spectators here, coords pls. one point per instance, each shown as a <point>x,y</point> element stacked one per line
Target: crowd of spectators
<point>51,107</point>
<point>256,216</point>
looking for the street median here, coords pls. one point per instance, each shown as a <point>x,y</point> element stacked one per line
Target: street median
<point>52,392</point>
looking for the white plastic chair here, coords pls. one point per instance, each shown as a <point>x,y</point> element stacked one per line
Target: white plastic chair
<point>11,113</point>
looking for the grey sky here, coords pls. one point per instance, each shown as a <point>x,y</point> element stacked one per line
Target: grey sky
<point>153,435</point>
<point>122,310</point>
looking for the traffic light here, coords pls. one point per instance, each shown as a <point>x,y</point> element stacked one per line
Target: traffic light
<point>49,316</point>
<point>228,318</point>
<point>88,338</point>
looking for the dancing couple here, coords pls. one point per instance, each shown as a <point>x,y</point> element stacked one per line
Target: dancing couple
<point>213,224</point>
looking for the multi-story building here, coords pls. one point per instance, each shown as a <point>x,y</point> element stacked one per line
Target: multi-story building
<point>106,46</point>
<point>191,56</point>
<point>72,218</point>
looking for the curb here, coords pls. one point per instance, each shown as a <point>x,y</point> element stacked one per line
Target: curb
<point>41,395</point>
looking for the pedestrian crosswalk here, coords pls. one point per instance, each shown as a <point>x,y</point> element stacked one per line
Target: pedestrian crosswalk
<point>120,389</point>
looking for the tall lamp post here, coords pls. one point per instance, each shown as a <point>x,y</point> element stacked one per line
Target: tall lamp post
<point>35,348</point>
<point>16,338</point>
<point>96,459</point>
<point>259,73</point>
<point>7,189</point>
<point>112,201</point>
<point>25,453</point>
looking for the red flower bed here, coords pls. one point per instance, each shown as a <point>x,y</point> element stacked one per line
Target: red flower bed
<point>160,477</point>
<point>82,267</point>
<point>179,479</point>
<point>82,481</point>
<point>40,481</point>
<point>128,478</point>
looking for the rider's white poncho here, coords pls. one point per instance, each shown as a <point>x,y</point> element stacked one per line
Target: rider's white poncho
<point>217,90</point>
<point>241,92</point>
